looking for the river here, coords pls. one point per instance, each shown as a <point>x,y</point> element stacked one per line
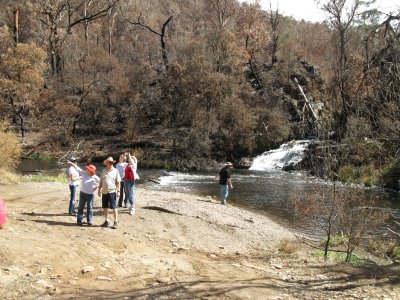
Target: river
<point>268,192</point>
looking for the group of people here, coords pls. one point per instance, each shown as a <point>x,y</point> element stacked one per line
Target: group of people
<point>116,184</point>
<point>113,184</point>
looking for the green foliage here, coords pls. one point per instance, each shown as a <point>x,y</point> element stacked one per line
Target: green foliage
<point>39,156</point>
<point>63,178</point>
<point>367,175</point>
<point>335,241</point>
<point>339,257</point>
<point>384,247</point>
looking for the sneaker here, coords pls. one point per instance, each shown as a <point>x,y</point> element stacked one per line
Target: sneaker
<point>90,224</point>
<point>115,226</point>
<point>132,212</point>
<point>105,224</point>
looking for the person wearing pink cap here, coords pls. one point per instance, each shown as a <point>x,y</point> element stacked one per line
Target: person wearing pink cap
<point>90,183</point>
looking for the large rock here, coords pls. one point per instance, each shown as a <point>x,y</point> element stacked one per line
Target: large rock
<point>244,163</point>
<point>391,179</point>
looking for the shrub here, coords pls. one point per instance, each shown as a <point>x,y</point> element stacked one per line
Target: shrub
<point>10,148</point>
<point>287,246</point>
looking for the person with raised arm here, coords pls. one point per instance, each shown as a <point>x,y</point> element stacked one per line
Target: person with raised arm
<point>90,183</point>
<point>130,177</point>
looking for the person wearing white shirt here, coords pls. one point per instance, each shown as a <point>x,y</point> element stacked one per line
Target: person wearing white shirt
<point>73,184</point>
<point>109,191</point>
<point>90,182</point>
<point>120,166</point>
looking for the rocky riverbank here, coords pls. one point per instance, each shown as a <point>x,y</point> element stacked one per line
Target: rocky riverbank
<point>176,246</point>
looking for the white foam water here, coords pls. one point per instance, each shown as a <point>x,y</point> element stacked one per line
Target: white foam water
<point>288,154</point>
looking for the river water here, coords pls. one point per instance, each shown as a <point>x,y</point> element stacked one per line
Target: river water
<point>268,192</point>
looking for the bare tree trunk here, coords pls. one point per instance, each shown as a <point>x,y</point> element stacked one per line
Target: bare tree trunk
<point>160,34</point>
<point>16,26</point>
<point>253,71</point>
<point>110,28</point>
<point>274,22</point>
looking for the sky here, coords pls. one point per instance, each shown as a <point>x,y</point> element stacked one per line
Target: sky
<point>308,10</point>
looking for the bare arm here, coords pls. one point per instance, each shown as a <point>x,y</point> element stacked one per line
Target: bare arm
<point>131,158</point>
<point>230,183</point>
<point>100,185</point>
<point>75,165</point>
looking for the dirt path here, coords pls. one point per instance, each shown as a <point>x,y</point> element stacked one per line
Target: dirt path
<point>193,248</point>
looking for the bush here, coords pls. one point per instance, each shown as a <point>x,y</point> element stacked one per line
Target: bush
<point>288,247</point>
<point>10,148</point>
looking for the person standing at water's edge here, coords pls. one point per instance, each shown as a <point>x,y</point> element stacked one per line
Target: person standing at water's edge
<point>109,191</point>
<point>90,182</point>
<point>130,177</point>
<point>121,165</point>
<point>73,185</point>
<point>225,182</point>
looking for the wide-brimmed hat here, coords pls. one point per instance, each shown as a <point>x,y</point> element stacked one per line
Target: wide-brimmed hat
<point>91,169</point>
<point>109,160</point>
<point>229,164</point>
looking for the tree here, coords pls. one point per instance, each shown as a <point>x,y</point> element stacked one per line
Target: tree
<point>161,33</point>
<point>21,79</point>
<point>274,19</point>
<point>254,35</point>
<point>94,83</point>
<point>61,16</point>
<point>342,15</point>
<point>220,12</point>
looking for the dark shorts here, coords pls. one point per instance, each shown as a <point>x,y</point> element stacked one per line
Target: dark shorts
<point>109,200</point>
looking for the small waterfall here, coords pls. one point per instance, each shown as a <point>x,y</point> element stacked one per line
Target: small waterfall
<point>286,157</point>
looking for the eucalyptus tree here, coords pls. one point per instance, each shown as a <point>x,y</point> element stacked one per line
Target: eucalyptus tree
<point>342,16</point>
<point>254,34</point>
<point>59,17</point>
<point>21,79</point>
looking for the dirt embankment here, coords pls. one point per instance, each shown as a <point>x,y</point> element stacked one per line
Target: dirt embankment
<point>176,246</point>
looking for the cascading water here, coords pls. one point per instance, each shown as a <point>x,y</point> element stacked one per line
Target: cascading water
<point>287,156</point>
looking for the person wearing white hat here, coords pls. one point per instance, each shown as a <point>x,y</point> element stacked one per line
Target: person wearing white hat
<point>73,185</point>
<point>109,189</point>
<point>225,182</point>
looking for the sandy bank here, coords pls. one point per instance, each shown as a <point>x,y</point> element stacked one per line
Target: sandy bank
<point>194,249</point>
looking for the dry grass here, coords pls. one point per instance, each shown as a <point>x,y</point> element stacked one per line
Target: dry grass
<point>7,177</point>
<point>10,148</point>
<point>288,246</point>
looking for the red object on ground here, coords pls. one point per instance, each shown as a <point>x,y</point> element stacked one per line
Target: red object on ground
<point>3,213</point>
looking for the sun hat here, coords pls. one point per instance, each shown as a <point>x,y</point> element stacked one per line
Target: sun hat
<point>91,169</point>
<point>109,160</point>
<point>229,164</point>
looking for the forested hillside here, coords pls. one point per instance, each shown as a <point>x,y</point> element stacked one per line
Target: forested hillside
<point>205,79</point>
